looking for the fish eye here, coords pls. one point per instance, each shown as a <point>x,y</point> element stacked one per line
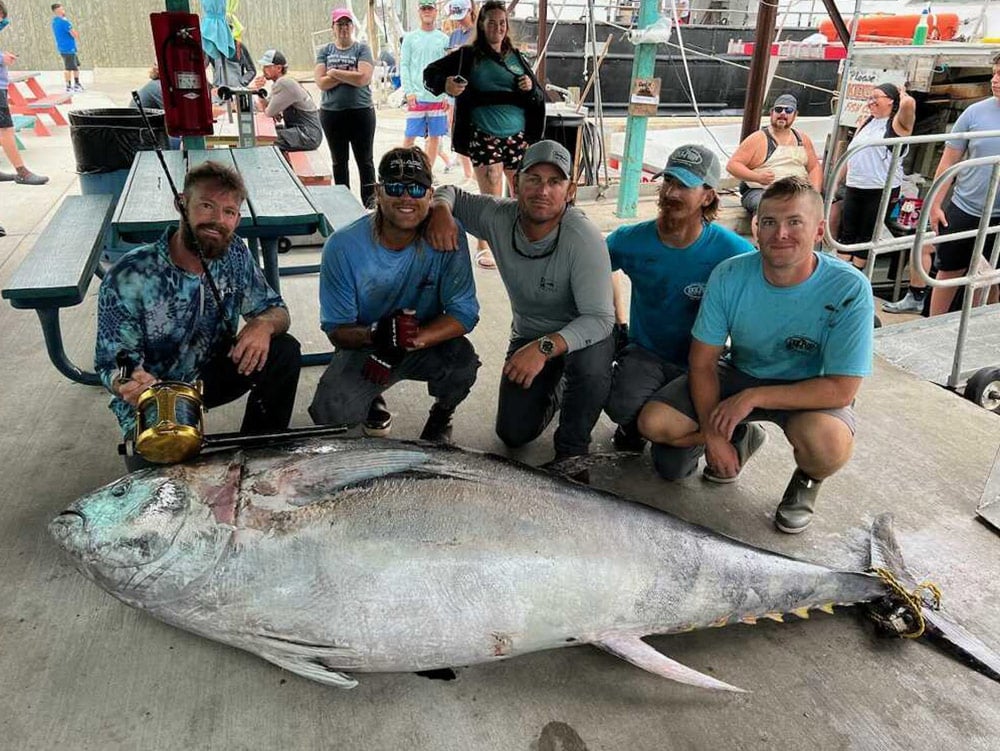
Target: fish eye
<point>122,488</point>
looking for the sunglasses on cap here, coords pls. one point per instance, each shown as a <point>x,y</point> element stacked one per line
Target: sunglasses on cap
<point>780,110</point>
<point>396,190</point>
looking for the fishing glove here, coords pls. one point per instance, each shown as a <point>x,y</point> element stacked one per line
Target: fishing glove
<point>378,367</point>
<point>398,329</point>
<point>391,335</point>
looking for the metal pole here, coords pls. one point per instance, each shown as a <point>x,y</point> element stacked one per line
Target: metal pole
<point>763,36</point>
<point>838,21</point>
<point>830,152</point>
<point>543,12</point>
<point>643,66</point>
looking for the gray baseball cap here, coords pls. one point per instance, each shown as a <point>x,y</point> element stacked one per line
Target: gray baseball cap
<point>693,165</point>
<point>786,100</point>
<point>547,152</point>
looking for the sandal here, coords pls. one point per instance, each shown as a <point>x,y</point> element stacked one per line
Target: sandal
<point>484,259</point>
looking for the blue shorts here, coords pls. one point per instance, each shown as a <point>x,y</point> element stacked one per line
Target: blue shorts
<point>426,120</point>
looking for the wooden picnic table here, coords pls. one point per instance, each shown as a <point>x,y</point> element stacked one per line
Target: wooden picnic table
<point>277,204</point>
<point>37,102</point>
<point>29,78</point>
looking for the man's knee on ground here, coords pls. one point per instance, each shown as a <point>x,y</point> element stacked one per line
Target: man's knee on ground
<point>822,443</point>
<point>516,433</point>
<point>661,423</point>
<point>674,463</point>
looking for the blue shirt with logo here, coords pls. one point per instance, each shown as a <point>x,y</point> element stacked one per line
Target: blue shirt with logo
<point>360,281</point>
<point>667,283</point>
<point>820,327</point>
<point>61,28</point>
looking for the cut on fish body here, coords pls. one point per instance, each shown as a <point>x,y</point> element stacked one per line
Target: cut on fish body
<point>371,555</point>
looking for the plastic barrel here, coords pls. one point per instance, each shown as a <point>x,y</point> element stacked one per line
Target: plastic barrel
<point>107,140</point>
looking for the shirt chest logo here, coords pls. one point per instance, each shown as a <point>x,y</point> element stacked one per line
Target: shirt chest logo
<point>695,291</point>
<point>801,344</point>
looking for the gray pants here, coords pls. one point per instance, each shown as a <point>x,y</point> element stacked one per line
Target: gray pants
<point>750,199</point>
<point>676,463</point>
<point>577,384</point>
<point>638,375</point>
<point>343,394</point>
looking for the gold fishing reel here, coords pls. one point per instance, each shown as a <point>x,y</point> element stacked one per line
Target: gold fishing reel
<point>170,422</point>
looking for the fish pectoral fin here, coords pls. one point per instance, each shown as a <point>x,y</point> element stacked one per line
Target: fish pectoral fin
<point>635,650</point>
<point>342,470</point>
<point>310,668</point>
<point>310,660</point>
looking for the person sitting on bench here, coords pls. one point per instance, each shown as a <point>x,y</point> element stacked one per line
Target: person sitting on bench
<point>293,110</point>
<point>156,307</point>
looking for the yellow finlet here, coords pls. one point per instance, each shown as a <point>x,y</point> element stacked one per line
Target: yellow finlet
<point>774,617</point>
<point>750,620</point>
<point>827,608</point>
<point>802,613</point>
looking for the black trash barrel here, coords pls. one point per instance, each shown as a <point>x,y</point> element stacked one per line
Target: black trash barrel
<point>106,140</point>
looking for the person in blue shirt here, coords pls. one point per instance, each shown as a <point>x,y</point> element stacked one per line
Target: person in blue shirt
<point>799,326</point>
<point>395,308</point>
<point>66,38</point>
<point>668,261</point>
<point>460,13</point>
<point>156,308</point>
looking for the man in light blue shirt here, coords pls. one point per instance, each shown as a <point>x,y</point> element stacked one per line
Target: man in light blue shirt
<point>427,114</point>
<point>395,308</point>
<point>968,200</point>
<point>799,323</point>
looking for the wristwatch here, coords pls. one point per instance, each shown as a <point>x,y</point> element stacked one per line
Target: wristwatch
<point>547,346</point>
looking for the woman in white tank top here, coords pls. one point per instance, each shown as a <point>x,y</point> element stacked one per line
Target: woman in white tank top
<point>893,113</point>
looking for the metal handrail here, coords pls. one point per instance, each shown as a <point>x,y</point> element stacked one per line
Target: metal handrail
<point>877,245</point>
<point>977,276</point>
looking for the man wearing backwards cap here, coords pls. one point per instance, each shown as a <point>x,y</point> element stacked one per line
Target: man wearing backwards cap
<point>395,308</point>
<point>668,260</point>
<point>554,264</point>
<point>774,152</point>
<point>295,113</point>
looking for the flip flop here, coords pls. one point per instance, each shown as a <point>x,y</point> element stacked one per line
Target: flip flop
<point>484,259</point>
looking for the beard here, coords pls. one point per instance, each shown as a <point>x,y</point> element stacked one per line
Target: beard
<point>672,216</point>
<point>211,247</point>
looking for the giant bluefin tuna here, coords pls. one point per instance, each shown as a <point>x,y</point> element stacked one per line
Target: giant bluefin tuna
<point>353,555</point>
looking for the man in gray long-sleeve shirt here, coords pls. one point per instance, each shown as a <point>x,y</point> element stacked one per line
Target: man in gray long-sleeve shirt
<point>555,266</point>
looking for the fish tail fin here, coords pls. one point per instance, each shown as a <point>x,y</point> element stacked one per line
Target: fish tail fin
<point>895,614</point>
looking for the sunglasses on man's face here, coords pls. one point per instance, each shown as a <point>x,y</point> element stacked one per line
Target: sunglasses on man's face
<point>396,190</point>
<point>783,110</point>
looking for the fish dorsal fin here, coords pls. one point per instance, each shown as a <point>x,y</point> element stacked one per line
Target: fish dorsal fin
<point>635,650</point>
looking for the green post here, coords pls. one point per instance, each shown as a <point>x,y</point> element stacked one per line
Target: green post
<point>183,6</point>
<point>643,66</point>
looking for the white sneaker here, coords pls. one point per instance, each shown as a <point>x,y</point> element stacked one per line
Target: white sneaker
<point>908,304</point>
<point>77,88</point>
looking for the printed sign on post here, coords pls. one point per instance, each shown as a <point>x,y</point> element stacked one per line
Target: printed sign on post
<point>860,83</point>
<point>645,97</point>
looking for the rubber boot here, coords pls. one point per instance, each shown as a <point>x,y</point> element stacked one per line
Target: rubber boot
<point>795,512</point>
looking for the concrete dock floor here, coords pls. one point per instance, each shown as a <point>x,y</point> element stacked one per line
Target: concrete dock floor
<point>82,671</point>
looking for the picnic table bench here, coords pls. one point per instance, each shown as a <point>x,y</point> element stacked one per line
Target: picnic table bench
<point>38,102</point>
<point>58,270</point>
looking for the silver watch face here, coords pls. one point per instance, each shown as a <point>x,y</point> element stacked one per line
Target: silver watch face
<point>546,345</point>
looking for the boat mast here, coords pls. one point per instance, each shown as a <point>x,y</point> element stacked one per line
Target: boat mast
<point>763,37</point>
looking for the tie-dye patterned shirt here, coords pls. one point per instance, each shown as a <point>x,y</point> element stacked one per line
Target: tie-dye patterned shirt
<point>166,318</point>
